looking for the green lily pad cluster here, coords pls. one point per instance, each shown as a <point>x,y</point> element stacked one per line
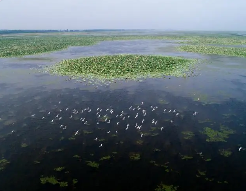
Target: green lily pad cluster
<point>217,136</point>
<point>123,67</point>
<point>205,49</point>
<point>59,169</point>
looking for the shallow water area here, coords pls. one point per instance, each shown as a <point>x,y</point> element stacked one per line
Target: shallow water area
<point>124,135</point>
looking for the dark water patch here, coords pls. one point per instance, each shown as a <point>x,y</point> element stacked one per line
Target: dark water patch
<point>35,146</point>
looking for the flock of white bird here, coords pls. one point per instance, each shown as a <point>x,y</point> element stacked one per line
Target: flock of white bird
<point>110,116</point>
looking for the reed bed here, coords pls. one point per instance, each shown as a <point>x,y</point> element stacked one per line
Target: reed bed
<point>123,67</point>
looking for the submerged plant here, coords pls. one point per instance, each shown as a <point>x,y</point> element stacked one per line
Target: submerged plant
<point>225,152</point>
<point>188,134</point>
<point>3,164</point>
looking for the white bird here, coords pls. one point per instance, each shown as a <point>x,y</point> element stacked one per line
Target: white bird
<point>89,110</point>
<point>164,110</point>
<point>101,145</point>
<point>136,115</point>
<point>43,117</point>
<point>95,139</point>
<point>240,148</point>
<point>49,113</point>
<point>142,120</point>
<point>117,123</point>
<point>52,121</point>
<point>195,113</point>
<point>60,110</point>
<point>117,115</point>
<point>126,128</point>
<point>162,128</point>
<point>57,116</point>
<point>174,111</point>
<point>60,118</point>
<point>33,115</point>
<point>71,117</point>
<point>142,103</point>
<point>65,127</point>
<point>171,121</point>
<point>97,123</point>
<point>59,102</point>
<point>177,114</point>
<point>116,131</point>
<point>108,132</point>
<point>130,107</point>
<point>123,118</point>
<point>76,133</point>
<point>142,135</point>
<point>66,108</point>
<point>108,121</point>
<point>170,110</point>
<point>86,123</point>
<point>128,116</point>
<point>12,131</point>
<point>155,122</point>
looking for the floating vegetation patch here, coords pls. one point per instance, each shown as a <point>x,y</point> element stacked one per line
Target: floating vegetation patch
<point>163,187</point>
<point>134,156</point>
<point>92,164</point>
<point>188,134</point>
<point>3,164</point>
<point>217,136</point>
<point>205,49</point>
<point>23,145</point>
<point>59,169</point>
<point>105,158</point>
<point>225,152</point>
<point>186,157</point>
<point>123,67</point>
<point>52,180</point>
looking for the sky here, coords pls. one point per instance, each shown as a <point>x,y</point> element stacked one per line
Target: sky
<point>208,15</point>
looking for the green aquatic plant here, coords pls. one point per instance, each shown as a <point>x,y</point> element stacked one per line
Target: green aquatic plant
<point>52,180</point>
<point>59,169</point>
<point>36,162</point>
<point>186,157</point>
<point>49,179</point>
<point>139,142</point>
<point>105,158</point>
<point>163,187</point>
<point>3,164</point>
<point>75,181</point>
<point>205,49</point>
<point>225,152</point>
<point>23,145</point>
<point>134,156</point>
<point>217,136</point>
<point>76,156</point>
<point>87,132</point>
<point>201,173</point>
<point>122,67</point>
<point>188,134</point>
<point>92,164</point>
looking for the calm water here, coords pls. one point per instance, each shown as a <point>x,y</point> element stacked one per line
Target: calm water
<point>149,132</point>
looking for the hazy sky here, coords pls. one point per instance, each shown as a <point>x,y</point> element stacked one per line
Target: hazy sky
<point>124,14</point>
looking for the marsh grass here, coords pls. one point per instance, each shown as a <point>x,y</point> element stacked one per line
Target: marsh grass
<point>123,67</point>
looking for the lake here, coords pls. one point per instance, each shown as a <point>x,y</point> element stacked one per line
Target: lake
<point>128,135</point>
